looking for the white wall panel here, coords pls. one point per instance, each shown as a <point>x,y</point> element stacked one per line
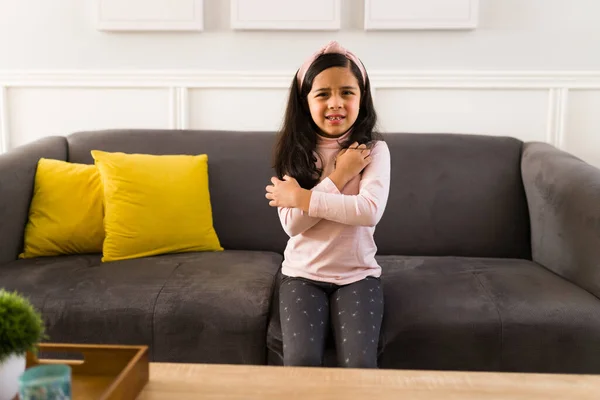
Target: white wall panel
<point>286,14</point>
<point>237,109</point>
<point>582,126</point>
<point>37,112</point>
<point>147,15</point>
<point>421,14</point>
<point>518,113</point>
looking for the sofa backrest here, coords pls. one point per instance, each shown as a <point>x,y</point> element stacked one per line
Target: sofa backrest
<point>451,195</point>
<point>455,195</point>
<point>239,168</point>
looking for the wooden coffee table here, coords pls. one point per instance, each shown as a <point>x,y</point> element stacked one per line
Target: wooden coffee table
<point>205,381</point>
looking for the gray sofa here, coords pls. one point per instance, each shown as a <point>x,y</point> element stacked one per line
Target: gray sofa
<point>490,249</point>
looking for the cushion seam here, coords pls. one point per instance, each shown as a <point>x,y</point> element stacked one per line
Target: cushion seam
<point>156,302</point>
<point>489,296</point>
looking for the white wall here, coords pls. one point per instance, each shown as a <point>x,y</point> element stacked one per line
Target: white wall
<point>531,70</point>
<point>512,35</point>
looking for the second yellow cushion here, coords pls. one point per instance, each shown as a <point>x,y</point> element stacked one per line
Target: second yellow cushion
<point>155,204</point>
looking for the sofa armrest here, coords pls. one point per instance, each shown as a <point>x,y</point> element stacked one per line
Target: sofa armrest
<point>563,195</point>
<point>17,174</point>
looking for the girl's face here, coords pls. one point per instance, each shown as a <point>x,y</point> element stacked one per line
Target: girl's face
<point>334,101</point>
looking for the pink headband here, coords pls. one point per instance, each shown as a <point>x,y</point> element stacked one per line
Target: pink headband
<point>331,47</point>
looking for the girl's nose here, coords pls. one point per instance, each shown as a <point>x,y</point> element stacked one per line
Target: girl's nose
<point>335,102</point>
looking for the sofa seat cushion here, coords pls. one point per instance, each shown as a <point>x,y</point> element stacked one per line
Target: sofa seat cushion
<point>486,314</point>
<point>188,307</point>
<point>452,313</point>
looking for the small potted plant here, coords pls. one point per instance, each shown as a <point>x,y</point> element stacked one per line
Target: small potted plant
<point>21,330</point>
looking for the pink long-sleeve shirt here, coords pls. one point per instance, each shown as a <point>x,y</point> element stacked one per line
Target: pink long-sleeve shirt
<point>334,242</point>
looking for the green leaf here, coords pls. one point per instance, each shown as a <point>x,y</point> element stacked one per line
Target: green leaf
<point>21,325</point>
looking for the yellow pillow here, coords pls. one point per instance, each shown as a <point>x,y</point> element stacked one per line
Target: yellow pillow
<point>65,215</point>
<point>155,205</point>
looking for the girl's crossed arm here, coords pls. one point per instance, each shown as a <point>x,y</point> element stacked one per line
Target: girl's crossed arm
<point>300,209</point>
<point>366,208</point>
<point>296,221</point>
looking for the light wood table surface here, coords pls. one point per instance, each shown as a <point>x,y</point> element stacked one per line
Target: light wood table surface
<point>207,382</point>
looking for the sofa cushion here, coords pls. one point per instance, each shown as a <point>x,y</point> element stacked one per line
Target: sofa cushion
<point>217,310</point>
<point>486,314</point>
<point>458,195</point>
<point>194,307</point>
<point>66,214</point>
<point>155,205</point>
<point>452,313</point>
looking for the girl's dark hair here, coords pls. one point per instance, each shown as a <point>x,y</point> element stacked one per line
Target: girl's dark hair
<point>297,139</point>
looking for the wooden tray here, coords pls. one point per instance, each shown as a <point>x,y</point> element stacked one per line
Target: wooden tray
<point>105,372</point>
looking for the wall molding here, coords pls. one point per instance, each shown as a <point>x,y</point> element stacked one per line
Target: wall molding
<point>420,14</point>
<point>4,134</point>
<point>557,113</point>
<point>125,19</point>
<point>281,15</point>
<point>486,79</point>
<point>380,79</point>
<point>145,79</point>
<point>177,85</point>
<point>178,108</point>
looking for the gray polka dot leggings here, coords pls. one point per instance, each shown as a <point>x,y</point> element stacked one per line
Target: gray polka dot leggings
<point>355,312</point>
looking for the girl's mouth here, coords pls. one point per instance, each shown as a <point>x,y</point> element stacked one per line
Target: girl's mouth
<point>335,119</point>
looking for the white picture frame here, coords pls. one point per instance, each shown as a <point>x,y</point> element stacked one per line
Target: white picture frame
<point>150,15</point>
<point>420,14</point>
<point>285,14</point>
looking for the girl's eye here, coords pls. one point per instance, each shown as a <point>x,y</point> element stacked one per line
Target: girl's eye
<point>348,92</point>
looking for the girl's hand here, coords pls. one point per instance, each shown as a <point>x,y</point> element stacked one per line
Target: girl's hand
<point>284,193</point>
<point>350,162</point>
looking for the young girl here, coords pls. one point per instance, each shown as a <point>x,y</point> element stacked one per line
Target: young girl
<point>330,192</point>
